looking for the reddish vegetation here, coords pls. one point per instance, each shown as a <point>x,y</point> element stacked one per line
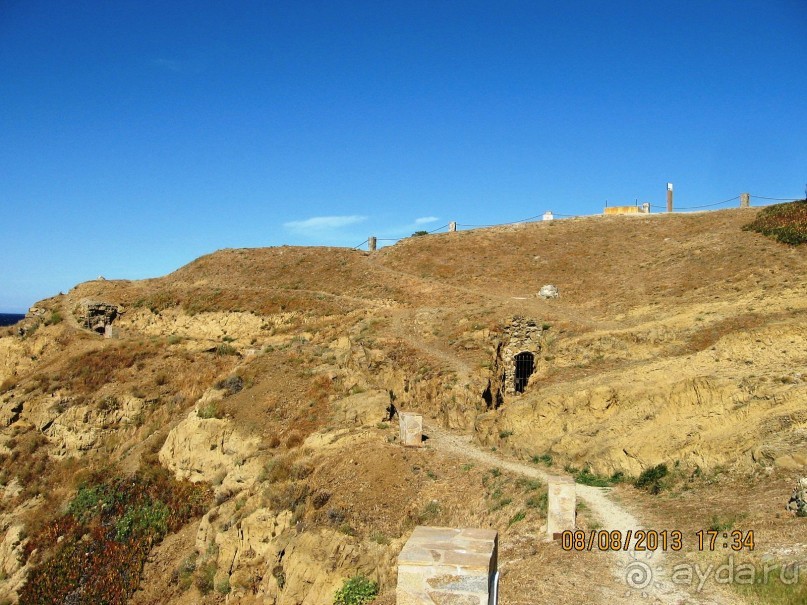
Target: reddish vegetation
<point>95,552</point>
<point>786,223</point>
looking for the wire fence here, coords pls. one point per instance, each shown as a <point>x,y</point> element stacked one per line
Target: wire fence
<point>567,216</point>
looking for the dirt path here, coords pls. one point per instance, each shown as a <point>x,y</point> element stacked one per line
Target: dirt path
<point>403,327</point>
<point>643,575</point>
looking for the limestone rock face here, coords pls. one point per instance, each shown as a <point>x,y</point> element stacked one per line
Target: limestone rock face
<point>12,543</point>
<point>362,409</point>
<point>74,429</point>
<point>15,357</point>
<point>10,556</point>
<point>206,325</point>
<point>315,564</point>
<point>264,553</point>
<point>202,449</point>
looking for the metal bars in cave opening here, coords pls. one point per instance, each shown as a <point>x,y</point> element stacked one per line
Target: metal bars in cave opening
<point>525,364</point>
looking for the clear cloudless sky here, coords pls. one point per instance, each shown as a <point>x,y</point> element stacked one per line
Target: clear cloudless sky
<point>138,135</point>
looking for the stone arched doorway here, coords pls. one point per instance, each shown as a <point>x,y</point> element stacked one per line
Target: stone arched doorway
<point>524,366</point>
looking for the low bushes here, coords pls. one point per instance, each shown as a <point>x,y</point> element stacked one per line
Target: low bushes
<point>786,223</point>
<point>95,551</point>
<point>358,590</point>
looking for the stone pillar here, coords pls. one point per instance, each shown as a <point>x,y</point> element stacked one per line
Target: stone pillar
<point>371,243</point>
<point>646,208</point>
<point>548,216</point>
<point>442,565</point>
<point>411,426</point>
<point>452,226</point>
<point>745,200</point>
<point>560,515</point>
<point>669,197</point>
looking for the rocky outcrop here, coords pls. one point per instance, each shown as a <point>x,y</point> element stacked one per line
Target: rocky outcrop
<point>207,325</point>
<point>13,534</point>
<point>798,500</point>
<point>263,553</point>
<point>206,449</point>
<point>362,409</point>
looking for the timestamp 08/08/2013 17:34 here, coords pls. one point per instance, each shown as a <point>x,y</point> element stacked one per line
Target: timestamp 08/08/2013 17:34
<point>652,540</point>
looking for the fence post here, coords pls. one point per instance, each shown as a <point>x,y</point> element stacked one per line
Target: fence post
<point>452,226</point>
<point>669,197</point>
<point>745,200</point>
<point>371,241</point>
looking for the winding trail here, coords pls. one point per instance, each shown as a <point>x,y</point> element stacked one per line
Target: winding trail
<point>644,574</point>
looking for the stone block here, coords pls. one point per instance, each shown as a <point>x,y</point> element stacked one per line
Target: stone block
<point>562,505</point>
<point>411,426</point>
<point>447,566</point>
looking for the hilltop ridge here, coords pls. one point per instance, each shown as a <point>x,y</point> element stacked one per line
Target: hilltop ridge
<point>676,339</point>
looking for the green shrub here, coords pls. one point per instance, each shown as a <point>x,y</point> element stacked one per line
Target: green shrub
<point>650,479</point>
<point>617,477</point>
<point>540,502</point>
<point>55,318</point>
<point>358,590</point>
<point>430,511</point>
<point>280,576</point>
<point>205,577</point>
<point>210,410</point>
<point>223,587</point>
<point>226,349</point>
<point>185,571</point>
<point>519,516</point>
<point>419,233</point>
<point>109,403</point>
<point>586,477</point>
<point>88,501</point>
<point>543,459</point>
<point>150,519</point>
<point>721,524</point>
<point>528,484</point>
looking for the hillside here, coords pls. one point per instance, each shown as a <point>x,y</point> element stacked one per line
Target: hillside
<point>255,383</point>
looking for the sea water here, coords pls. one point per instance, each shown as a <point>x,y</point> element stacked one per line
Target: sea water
<point>9,319</point>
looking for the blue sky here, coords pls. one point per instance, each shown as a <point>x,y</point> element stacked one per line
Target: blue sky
<point>137,136</point>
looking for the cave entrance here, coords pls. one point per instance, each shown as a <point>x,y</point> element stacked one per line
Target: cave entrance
<point>525,363</point>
